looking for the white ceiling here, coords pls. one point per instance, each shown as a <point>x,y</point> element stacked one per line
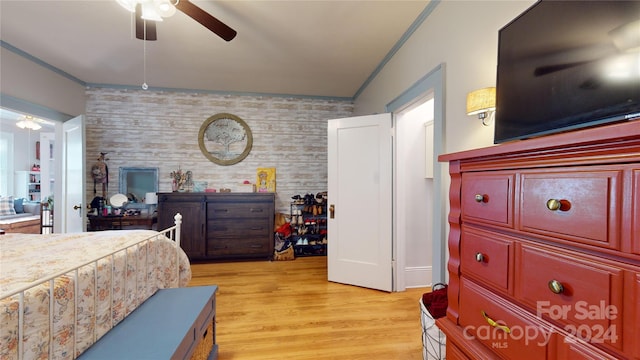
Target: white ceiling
<point>310,48</point>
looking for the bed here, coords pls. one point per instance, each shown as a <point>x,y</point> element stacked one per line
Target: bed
<point>96,279</point>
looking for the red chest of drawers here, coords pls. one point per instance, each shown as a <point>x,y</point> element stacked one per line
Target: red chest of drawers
<point>544,247</point>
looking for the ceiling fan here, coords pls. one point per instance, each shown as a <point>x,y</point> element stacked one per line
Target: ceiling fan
<point>624,39</point>
<point>148,12</point>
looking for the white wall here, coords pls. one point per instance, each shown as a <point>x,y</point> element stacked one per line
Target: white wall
<point>24,146</point>
<point>464,36</point>
<point>24,79</point>
<point>22,155</point>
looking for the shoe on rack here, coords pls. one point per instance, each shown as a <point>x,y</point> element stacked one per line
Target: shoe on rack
<point>299,242</point>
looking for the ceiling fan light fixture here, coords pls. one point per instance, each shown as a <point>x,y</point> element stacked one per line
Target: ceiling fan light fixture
<point>150,11</point>
<point>165,8</point>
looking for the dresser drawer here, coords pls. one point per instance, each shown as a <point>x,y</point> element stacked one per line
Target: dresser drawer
<point>501,326</point>
<point>487,256</point>
<point>224,210</point>
<point>238,247</point>
<point>455,353</point>
<point>581,205</point>
<point>582,296</point>
<point>488,198</point>
<point>572,348</point>
<point>251,227</point>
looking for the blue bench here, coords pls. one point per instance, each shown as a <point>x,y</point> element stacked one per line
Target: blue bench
<point>172,324</point>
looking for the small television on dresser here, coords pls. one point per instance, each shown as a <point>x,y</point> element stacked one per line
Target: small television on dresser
<point>565,65</point>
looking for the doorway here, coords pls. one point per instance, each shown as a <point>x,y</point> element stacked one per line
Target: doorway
<point>28,170</point>
<point>413,192</point>
<point>415,263</point>
<point>363,164</point>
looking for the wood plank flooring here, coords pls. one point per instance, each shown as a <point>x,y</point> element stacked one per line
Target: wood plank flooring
<point>288,310</point>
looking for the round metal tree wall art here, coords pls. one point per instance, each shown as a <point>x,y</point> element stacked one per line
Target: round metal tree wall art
<point>225,139</point>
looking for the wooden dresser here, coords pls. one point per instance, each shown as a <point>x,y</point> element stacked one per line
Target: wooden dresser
<point>221,225</point>
<point>544,248</point>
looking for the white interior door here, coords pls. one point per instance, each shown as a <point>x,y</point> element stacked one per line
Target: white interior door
<point>73,183</point>
<point>360,194</point>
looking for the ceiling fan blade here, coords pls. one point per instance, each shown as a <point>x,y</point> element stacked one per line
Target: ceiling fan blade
<point>216,26</point>
<point>140,26</point>
<point>548,69</point>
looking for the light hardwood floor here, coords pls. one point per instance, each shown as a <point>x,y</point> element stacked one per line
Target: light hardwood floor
<point>288,310</point>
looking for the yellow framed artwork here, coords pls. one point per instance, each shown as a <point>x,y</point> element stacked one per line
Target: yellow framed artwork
<point>266,180</point>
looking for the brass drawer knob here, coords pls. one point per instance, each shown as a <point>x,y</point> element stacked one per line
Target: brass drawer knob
<point>479,257</point>
<point>481,198</point>
<point>555,205</point>
<point>556,287</point>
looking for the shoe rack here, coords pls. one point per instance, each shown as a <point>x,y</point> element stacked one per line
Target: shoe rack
<point>309,224</point>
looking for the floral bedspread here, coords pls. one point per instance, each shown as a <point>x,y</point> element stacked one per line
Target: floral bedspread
<point>107,290</point>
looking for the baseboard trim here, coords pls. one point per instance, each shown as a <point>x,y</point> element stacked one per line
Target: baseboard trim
<point>418,276</point>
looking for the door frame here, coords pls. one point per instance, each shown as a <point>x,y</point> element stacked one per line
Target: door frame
<point>432,83</point>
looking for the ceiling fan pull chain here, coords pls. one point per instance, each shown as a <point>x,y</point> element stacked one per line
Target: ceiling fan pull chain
<point>144,59</point>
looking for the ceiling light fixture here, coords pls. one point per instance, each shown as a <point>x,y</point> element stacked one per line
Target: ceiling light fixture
<point>153,10</point>
<point>28,122</point>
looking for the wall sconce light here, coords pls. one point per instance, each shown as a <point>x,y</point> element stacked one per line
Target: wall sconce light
<point>482,102</point>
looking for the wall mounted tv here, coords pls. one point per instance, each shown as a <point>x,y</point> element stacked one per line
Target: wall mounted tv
<point>564,65</point>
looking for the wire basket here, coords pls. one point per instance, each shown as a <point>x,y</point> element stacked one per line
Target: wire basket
<point>433,340</point>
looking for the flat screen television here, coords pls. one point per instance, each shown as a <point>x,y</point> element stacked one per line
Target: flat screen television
<point>564,65</point>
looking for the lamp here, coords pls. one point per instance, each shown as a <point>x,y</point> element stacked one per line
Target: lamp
<point>482,102</point>
<point>151,199</point>
<point>28,122</point>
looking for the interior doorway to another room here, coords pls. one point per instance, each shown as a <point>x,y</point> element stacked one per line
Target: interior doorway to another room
<point>27,158</point>
<point>420,210</point>
<point>413,191</point>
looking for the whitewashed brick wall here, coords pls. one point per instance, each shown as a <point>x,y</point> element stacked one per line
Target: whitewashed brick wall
<point>140,128</point>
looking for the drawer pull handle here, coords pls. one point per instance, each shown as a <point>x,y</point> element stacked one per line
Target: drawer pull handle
<point>481,198</point>
<point>555,205</point>
<point>494,324</point>
<point>556,287</point>
<point>479,257</point>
